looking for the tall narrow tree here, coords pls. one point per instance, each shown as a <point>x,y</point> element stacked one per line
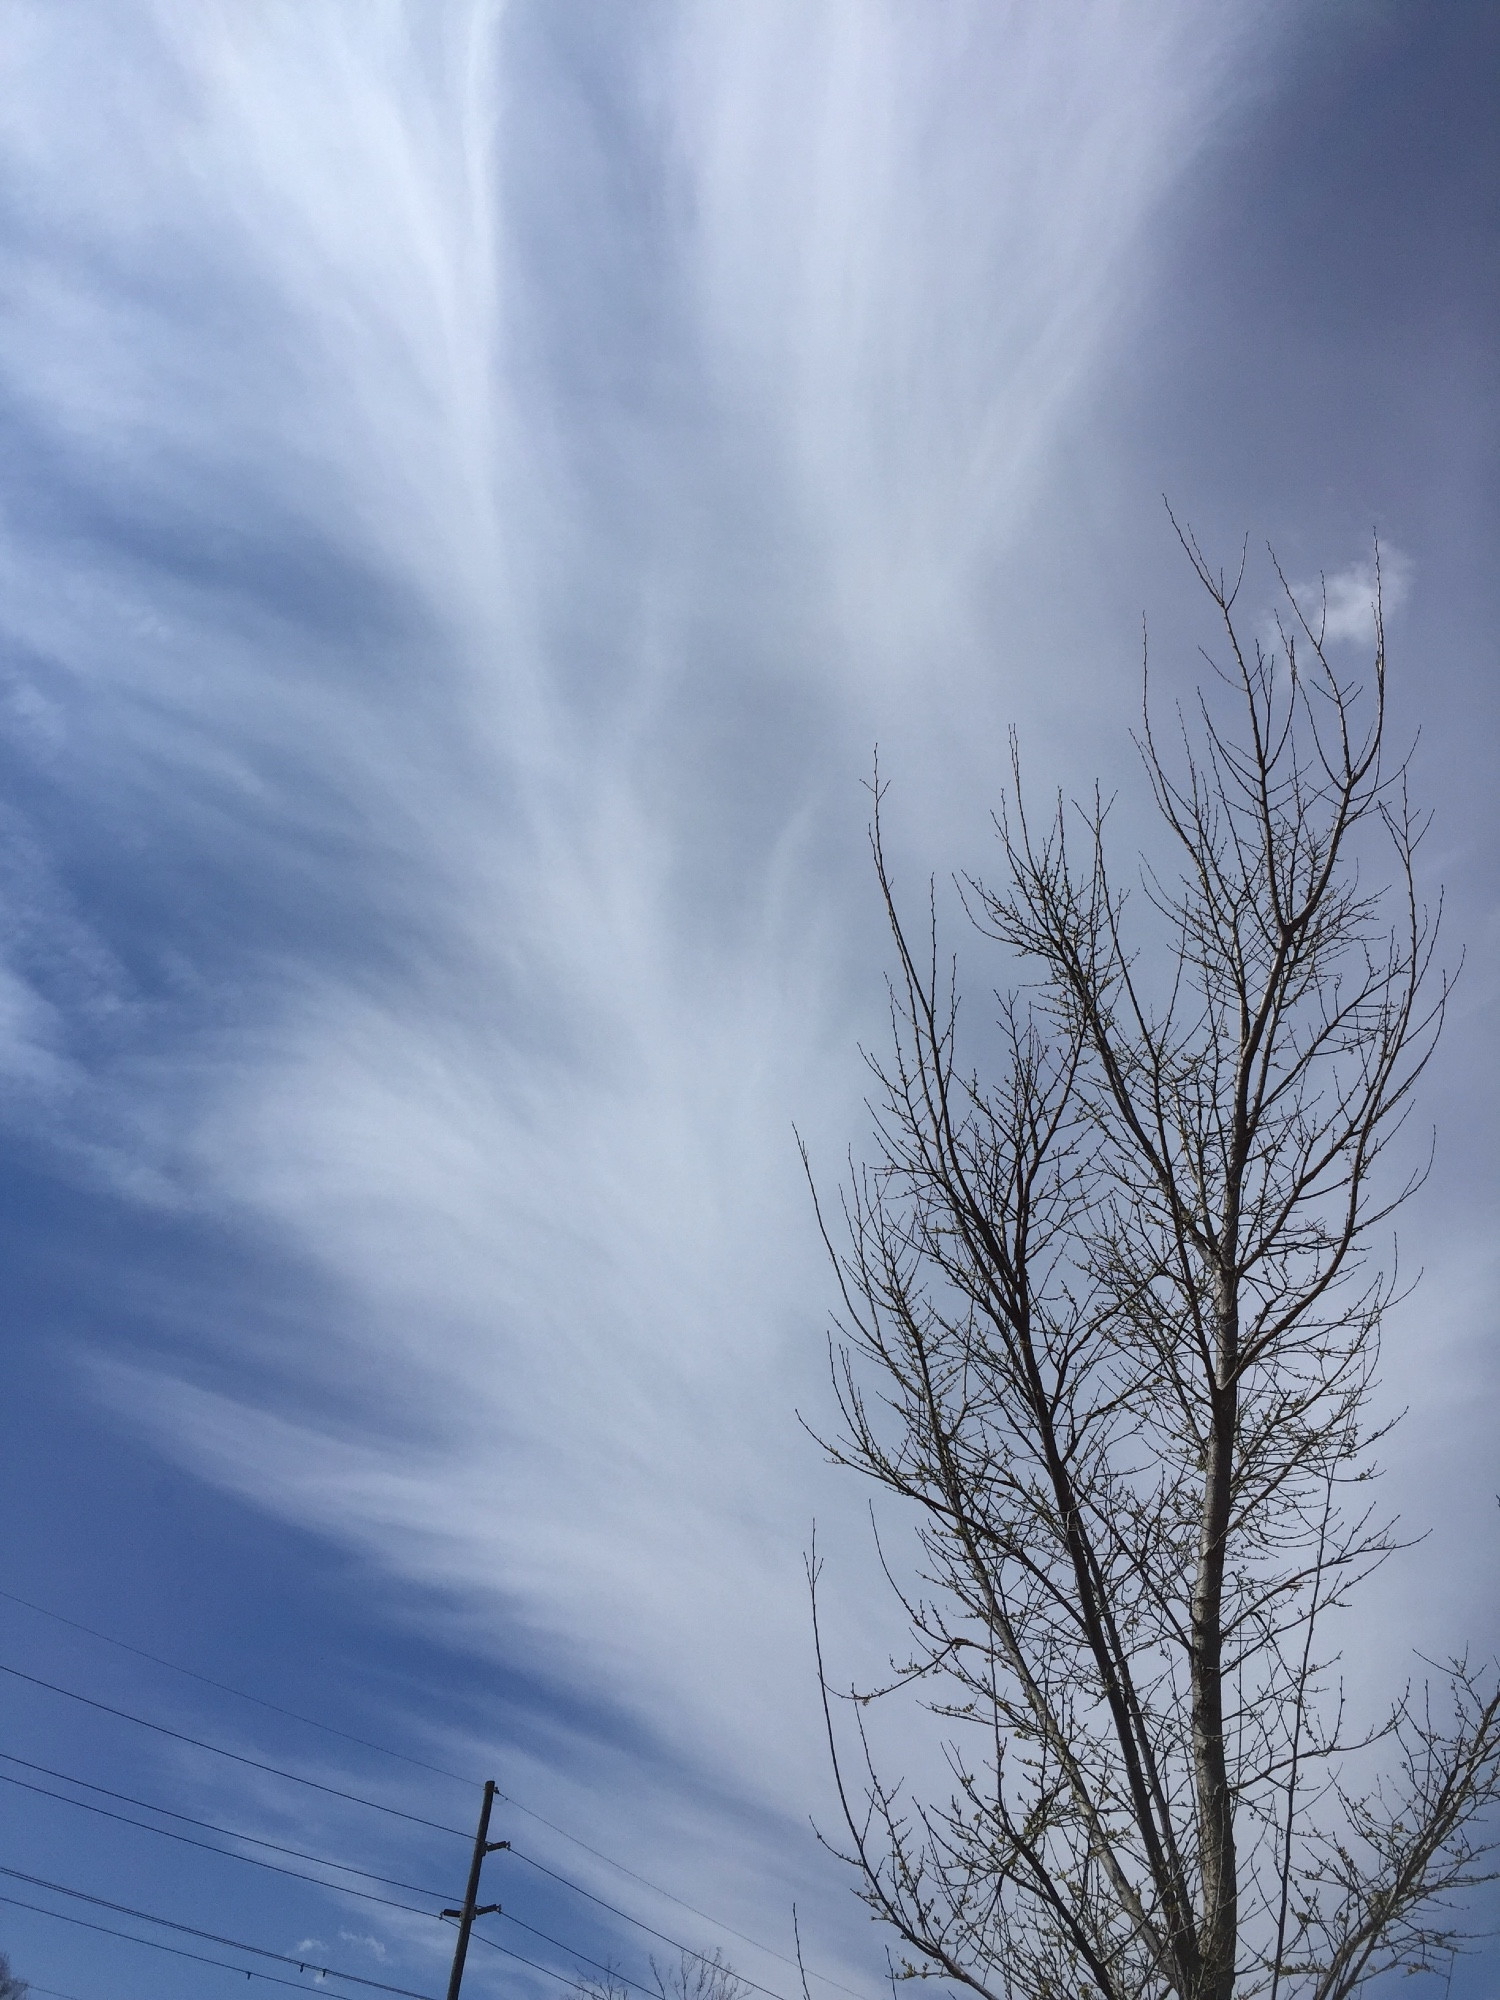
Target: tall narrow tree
<point>1110,1324</point>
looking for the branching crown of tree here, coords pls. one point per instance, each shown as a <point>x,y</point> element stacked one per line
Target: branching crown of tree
<point>1110,1321</point>
<point>693,1975</point>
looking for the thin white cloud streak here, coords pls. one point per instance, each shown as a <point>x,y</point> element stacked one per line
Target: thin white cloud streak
<point>682,377</point>
<point>917,235</point>
<point>918,231</point>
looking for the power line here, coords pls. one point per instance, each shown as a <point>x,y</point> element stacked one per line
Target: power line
<point>155,1944</point>
<point>441,1771</point>
<point>296,1874</point>
<point>208,1825</point>
<point>610,1972</point>
<point>176,1667</point>
<point>254,1763</point>
<point>251,1860</point>
<point>323,1861</point>
<point>246,1972</point>
<point>550,1971</point>
<point>702,1957</point>
<point>210,1937</point>
<point>656,1889</point>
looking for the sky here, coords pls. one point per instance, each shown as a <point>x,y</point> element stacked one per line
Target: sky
<point>478,484</point>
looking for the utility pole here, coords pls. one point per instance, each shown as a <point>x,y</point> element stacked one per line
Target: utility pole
<point>482,1846</point>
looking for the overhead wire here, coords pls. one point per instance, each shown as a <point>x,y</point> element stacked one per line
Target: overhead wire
<point>208,1825</point>
<point>218,1750</point>
<point>550,1971</point>
<point>441,1771</point>
<point>192,1673</point>
<point>251,1860</point>
<point>153,1944</point>
<point>702,1957</point>
<point>244,1971</point>
<point>296,1874</point>
<point>610,1972</point>
<point>323,1861</point>
<point>717,1923</point>
<point>194,1931</point>
<point>580,1958</point>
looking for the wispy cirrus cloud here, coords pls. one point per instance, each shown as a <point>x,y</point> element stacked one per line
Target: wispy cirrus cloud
<point>482,478</point>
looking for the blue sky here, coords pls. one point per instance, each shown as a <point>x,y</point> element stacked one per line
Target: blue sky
<point>478,482</point>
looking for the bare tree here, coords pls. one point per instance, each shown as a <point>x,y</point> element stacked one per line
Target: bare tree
<point>1110,1323</point>
<point>699,1976</point>
<point>693,1975</point>
<point>11,1988</point>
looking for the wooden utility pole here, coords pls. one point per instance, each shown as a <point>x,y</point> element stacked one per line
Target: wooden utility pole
<point>483,1845</point>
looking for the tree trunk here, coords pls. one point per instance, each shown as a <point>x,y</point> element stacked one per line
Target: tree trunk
<point>1220,1921</point>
